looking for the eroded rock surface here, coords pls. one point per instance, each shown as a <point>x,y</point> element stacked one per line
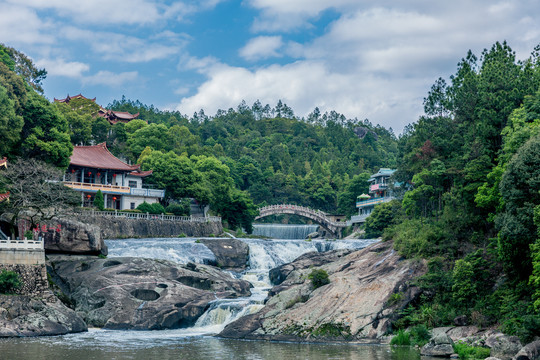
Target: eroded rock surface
<point>69,236</point>
<point>31,316</point>
<point>137,293</point>
<point>231,254</point>
<point>355,305</point>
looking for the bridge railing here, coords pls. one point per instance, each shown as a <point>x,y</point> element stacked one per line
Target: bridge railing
<point>317,213</point>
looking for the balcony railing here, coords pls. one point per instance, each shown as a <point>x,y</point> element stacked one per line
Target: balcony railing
<point>148,192</point>
<point>146,216</point>
<point>374,201</point>
<point>376,187</point>
<point>95,187</point>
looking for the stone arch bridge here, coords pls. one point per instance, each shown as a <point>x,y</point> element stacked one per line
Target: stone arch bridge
<point>320,217</point>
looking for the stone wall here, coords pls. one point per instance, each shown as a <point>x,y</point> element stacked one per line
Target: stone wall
<point>33,278</point>
<point>112,227</point>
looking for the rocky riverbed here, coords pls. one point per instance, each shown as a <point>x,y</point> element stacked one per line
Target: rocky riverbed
<point>355,306</point>
<point>141,294</point>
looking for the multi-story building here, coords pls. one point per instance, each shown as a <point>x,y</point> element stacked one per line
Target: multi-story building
<point>94,168</point>
<point>379,192</point>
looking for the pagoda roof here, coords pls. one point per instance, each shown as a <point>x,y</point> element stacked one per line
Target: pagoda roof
<point>4,196</point>
<point>117,116</point>
<point>69,98</point>
<point>382,172</point>
<point>140,173</point>
<point>3,162</point>
<point>99,157</point>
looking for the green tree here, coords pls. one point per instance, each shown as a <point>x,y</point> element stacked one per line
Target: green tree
<point>99,201</point>
<point>10,123</point>
<point>383,216</point>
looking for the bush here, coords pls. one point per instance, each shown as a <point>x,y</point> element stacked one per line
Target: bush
<point>466,352</point>
<point>318,277</point>
<point>181,209</point>
<point>99,201</point>
<point>9,282</point>
<point>402,338</point>
<point>155,208</point>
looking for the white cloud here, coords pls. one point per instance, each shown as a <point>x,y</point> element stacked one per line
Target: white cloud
<point>111,79</point>
<point>20,25</point>
<point>262,47</point>
<point>60,67</point>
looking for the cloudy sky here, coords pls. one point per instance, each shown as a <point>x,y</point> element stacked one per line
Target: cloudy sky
<point>365,59</point>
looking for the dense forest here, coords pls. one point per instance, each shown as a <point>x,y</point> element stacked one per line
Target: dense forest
<point>234,161</point>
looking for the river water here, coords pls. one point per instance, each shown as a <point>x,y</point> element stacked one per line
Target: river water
<point>198,342</point>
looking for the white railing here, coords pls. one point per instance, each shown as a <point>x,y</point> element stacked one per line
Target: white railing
<point>96,187</point>
<point>295,208</point>
<point>21,244</point>
<point>357,219</point>
<point>374,201</point>
<point>148,192</point>
<point>147,216</point>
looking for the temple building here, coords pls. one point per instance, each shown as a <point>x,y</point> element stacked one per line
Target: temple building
<point>94,168</point>
<point>3,162</point>
<point>113,117</point>
<point>379,192</point>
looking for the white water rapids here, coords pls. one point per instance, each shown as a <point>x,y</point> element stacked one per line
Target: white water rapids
<point>263,256</point>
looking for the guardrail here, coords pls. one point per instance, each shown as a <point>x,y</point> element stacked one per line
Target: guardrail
<point>374,201</point>
<point>357,219</point>
<point>321,215</point>
<point>96,187</point>
<point>147,216</point>
<point>148,192</point>
<point>21,244</point>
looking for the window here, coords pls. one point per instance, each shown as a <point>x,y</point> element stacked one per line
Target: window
<point>132,184</point>
<point>132,206</point>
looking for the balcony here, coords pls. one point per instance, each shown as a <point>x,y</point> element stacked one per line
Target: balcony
<point>374,201</point>
<point>357,219</point>
<point>110,189</point>
<point>377,187</point>
<point>148,192</point>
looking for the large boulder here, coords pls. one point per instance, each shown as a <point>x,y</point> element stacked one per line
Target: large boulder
<point>440,345</point>
<point>231,254</point>
<point>530,351</point>
<point>355,305</point>
<point>305,261</point>
<point>142,294</point>
<point>31,316</point>
<point>69,236</point>
<point>503,346</point>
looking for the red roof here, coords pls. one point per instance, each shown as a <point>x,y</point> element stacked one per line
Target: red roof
<point>3,161</point>
<point>140,173</point>
<point>117,116</point>
<point>4,196</point>
<point>68,98</point>
<point>98,157</point>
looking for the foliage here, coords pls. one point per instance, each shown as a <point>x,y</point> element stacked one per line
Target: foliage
<point>9,282</point>
<point>382,217</point>
<point>155,208</point>
<point>35,192</point>
<point>318,277</point>
<point>401,338</point>
<point>99,201</point>
<point>466,351</point>
<point>179,209</point>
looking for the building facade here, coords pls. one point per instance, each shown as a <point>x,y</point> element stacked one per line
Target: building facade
<point>379,192</point>
<point>94,168</point>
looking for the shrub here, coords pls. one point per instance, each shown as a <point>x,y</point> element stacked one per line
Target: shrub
<point>28,234</point>
<point>420,335</point>
<point>155,208</point>
<point>182,209</point>
<point>99,202</point>
<point>9,282</point>
<point>402,338</point>
<point>318,277</point>
<point>466,351</point>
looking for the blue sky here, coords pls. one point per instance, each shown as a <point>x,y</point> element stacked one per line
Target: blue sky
<point>365,59</point>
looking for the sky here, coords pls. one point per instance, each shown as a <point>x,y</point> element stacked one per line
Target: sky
<point>364,59</point>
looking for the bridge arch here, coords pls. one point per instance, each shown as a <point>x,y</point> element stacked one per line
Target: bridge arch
<point>318,216</point>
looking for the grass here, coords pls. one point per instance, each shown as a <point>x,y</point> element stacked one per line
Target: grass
<point>467,352</point>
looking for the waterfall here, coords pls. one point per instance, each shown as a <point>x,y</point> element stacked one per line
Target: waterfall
<point>284,231</point>
<point>263,256</point>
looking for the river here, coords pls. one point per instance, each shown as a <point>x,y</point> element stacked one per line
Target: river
<point>198,342</point>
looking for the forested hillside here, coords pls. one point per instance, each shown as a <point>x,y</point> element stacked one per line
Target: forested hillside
<point>473,161</point>
<point>233,161</point>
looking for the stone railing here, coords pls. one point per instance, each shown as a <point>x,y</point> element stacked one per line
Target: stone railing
<point>95,187</point>
<point>21,244</point>
<point>317,215</point>
<point>147,216</point>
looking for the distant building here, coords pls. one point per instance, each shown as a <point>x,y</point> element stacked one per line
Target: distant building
<point>113,117</point>
<point>94,168</point>
<point>3,163</point>
<point>379,192</point>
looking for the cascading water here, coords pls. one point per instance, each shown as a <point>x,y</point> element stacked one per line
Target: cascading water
<point>284,231</point>
<point>263,256</point>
